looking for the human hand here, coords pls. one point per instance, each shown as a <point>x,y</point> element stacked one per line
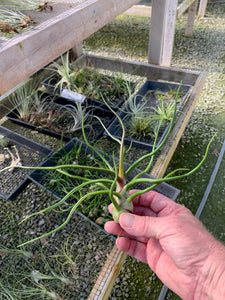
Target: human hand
<point>176,246</point>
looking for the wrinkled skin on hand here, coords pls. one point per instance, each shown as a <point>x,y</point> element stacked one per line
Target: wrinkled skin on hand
<point>176,246</point>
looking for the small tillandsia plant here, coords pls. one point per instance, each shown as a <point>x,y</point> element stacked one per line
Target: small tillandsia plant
<point>115,181</point>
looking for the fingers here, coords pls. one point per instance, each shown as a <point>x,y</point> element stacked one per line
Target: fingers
<point>152,204</point>
<point>114,228</point>
<point>133,248</point>
<point>138,210</point>
<point>142,226</point>
<point>157,202</point>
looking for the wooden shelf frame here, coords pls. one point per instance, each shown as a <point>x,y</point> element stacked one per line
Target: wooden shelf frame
<point>27,53</point>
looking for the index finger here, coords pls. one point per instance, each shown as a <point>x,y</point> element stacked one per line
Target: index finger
<point>157,202</point>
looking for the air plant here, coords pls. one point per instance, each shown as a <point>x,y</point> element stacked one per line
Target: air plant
<point>88,81</point>
<point>140,120</point>
<point>64,72</point>
<point>4,251</point>
<point>75,115</point>
<point>45,113</point>
<point>59,118</point>
<point>13,20</point>
<point>145,120</point>
<point>31,5</point>
<point>116,181</point>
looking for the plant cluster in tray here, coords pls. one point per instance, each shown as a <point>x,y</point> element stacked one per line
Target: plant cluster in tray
<point>12,16</point>
<point>56,115</point>
<point>145,119</point>
<point>149,112</point>
<point>63,266</point>
<point>60,184</point>
<point>115,181</point>
<point>44,112</point>
<point>41,110</point>
<point>89,82</point>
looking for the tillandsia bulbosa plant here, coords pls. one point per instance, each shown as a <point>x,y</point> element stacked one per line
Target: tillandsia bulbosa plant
<point>115,181</point>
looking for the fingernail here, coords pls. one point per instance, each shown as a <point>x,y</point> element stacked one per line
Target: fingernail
<point>127,220</point>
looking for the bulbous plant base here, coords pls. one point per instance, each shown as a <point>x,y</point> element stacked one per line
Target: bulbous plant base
<point>124,206</point>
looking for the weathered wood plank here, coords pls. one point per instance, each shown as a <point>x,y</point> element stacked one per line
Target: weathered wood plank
<point>27,53</point>
<point>139,10</point>
<point>149,71</point>
<point>76,51</point>
<point>156,32</point>
<point>191,18</point>
<point>170,22</point>
<point>110,271</point>
<point>202,8</point>
<point>162,31</point>
<point>183,7</point>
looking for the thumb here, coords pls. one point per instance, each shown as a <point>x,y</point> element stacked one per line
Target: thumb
<point>141,226</point>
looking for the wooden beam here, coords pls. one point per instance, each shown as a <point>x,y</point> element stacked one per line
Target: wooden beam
<point>110,271</point>
<point>191,18</point>
<point>76,51</point>
<point>141,69</point>
<point>202,8</point>
<point>139,10</point>
<point>183,7</point>
<point>162,31</point>
<point>22,56</point>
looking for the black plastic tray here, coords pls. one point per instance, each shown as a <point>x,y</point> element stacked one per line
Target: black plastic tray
<point>105,115</point>
<point>38,176</point>
<point>50,82</point>
<point>30,153</point>
<point>149,86</point>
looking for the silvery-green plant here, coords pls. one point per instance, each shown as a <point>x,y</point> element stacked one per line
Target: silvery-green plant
<point>64,72</point>
<point>32,5</point>
<point>116,182</point>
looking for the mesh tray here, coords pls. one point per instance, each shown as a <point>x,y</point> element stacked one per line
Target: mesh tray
<point>13,181</point>
<point>148,87</point>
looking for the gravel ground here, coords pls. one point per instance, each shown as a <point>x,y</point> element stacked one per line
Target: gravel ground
<point>126,37</point>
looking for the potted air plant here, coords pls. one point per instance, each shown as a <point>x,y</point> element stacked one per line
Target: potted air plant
<point>55,115</point>
<point>148,113</point>
<point>87,82</point>
<point>116,181</point>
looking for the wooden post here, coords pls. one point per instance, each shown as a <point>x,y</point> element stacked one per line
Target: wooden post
<point>191,18</point>
<point>183,6</point>
<point>76,51</point>
<point>202,8</point>
<point>162,31</point>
